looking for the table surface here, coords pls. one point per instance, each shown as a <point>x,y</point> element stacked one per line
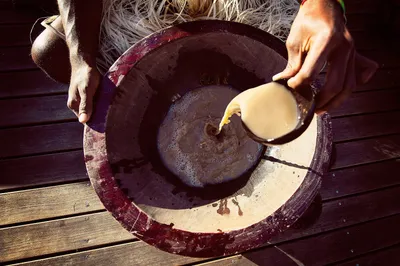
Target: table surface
<point>52,216</point>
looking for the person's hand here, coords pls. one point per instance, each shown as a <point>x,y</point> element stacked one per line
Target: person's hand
<point>84,82</point>
<point>319,35</point>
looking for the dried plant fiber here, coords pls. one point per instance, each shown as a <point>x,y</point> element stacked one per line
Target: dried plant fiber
<point>125,22</point>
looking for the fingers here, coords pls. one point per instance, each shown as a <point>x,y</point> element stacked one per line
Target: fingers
<point>365,68</point>
<point>349,85</point>
<point>85,106</point>
<point>315,60</point>
<point>73,101</point>
<point>294,61</point>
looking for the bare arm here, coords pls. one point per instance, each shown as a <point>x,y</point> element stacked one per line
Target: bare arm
<point>81,21</point>
<point>319,35</point>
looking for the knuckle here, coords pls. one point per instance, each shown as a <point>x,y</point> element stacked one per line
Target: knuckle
<point>305,76</point>
<point>290,44</point>
<point>69,104</point>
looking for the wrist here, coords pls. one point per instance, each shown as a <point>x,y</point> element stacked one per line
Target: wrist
<point>79,58</point>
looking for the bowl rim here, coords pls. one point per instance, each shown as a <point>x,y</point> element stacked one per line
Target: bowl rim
<point>137,222</point>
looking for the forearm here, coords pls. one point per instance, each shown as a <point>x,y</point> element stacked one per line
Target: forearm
<point>81,21</point>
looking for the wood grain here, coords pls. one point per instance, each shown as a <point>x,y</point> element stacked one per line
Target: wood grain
<point>40,139</point>
<point>326,248</point>
<point>9,16</point>
<point>35,110</point>
<point>68,234</point>
<point>43,203</point>
<point>39,171</point>
<point>353,127</point>
<point>42,170</point>
<point>388,256</point>
<point>28,83</point>
<point>16,58</point>
<point>81,232</point>
<point>366,151</point>
<point>369,102</point>
<point>383,79</point>
<point>385,58</point>
<point>360,179</point>
<point>17,35</point>
<point>136,253</point>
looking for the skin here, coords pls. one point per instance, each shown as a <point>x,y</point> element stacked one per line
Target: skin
<point>318,35</point>
<point>81,23</point>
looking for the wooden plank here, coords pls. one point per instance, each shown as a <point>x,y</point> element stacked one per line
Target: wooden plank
<point>326,248</point>
<point>136,253</point>
<point>17,112</point>
<point>363,22</point>
<point>40,139</point>
<point>15,35</point>
<point>366,151</point>
<point>39,171</point>
<point>388,256</point>
<point>16,58</point>
<point>367,40</point>
<point>63,235</point>
<point>43,203</point>
<point>360,179</point>
<point>28,83</point>
<point>53,109</point>
<point>353,127</point>
<point>369,102</point>
<point>42,170</point>
<point>9,16</point>
<point>383,79</point>
<point>362,7</point>
<point>36,204</point>
<point>80,232</point>
<point>385,58</point>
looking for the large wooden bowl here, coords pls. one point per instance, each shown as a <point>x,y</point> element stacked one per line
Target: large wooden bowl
<point>124,165</point>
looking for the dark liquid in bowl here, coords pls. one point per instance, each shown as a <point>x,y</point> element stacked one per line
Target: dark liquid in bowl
<point>191,150</point>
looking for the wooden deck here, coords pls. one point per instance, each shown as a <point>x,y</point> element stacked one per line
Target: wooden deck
<point>50,215</point>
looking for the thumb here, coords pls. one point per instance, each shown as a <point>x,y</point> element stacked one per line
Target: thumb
<point>292,68</point>
<point>85,108</point>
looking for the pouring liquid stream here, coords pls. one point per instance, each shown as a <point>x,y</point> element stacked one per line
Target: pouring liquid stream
<point>269,111</point>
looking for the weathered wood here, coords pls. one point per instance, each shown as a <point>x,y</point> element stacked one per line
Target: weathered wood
<point>15,35</point>
<point>136,253</point>
<point>34,204</point>
<point>68,234</point>
<point>80,232</point>
<point>326,248</point>
<point>348,211</point>
<point>383,79</point>
<point>385,58</point>
<point>353,127</point>
<point>43,203</point>
<point>28,83</point>
<point>38,170</point>
<point>360,179</point>
<point>362,7</point>
<point>388,256</point>
<point>40,139</point>
<point>42,170</point>
<point>367,40</point>
<point>17,112</point>
<point>366,151</point>
<point>16,58</point>
<point>9,16</point>
<point>361,22</point>
<point>369,102</point>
